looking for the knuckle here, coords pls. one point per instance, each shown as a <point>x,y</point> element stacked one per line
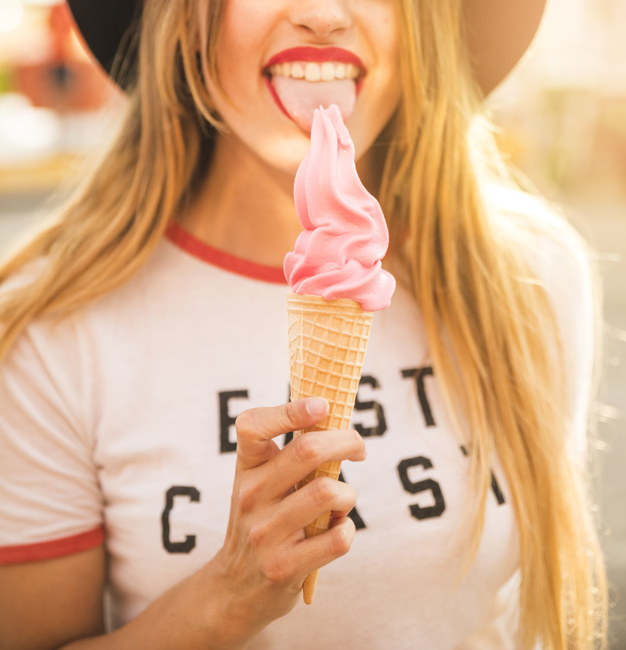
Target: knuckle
<point>358,439</point>
<point>307,449</point>
<point>245,422</point>
<point>289,416</point>
<point>247,497</point>
<point>349,495</point>
<point>258,534</point>
<point>322,491</point>
<point>278,569</point>
<point>340,540</point>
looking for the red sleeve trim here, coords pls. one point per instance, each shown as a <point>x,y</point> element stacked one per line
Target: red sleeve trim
<point>52,549</point>
<point>198,249</point>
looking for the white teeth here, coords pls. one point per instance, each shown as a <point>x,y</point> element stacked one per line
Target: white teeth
<point>311,71</point>
<point>327,71</point>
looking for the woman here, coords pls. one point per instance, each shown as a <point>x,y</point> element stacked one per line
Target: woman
<point>144,337</point>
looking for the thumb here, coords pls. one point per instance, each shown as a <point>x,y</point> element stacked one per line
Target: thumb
<point>256,427</point>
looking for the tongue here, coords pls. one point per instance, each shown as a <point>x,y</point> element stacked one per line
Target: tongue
<point>300,98</point>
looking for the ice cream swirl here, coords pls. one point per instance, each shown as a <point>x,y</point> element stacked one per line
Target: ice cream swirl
<point>345,237</point>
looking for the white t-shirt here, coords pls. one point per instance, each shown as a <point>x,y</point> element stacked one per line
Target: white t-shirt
<point>116,425</point>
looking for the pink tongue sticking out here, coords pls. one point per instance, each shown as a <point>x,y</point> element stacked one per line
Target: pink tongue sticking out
<point>300,98</point>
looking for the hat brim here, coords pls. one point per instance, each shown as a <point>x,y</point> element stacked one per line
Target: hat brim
<point>110,29</point>
<point>499,32</point>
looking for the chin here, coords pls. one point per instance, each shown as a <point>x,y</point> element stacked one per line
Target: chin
<point>362,137</point>
<point>286,154</point>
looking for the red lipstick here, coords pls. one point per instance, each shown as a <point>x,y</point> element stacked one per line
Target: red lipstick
<point>316,55</point>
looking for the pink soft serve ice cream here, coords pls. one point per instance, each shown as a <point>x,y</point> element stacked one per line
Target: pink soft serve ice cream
<point>345,237</point>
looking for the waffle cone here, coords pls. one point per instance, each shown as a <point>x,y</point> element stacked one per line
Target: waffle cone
<point>327,342</point>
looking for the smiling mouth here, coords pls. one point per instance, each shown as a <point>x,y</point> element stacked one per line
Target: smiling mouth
<point>313,72</point>
<point>304,78</point>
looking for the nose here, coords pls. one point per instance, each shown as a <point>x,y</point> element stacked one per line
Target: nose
<point>320,17</point>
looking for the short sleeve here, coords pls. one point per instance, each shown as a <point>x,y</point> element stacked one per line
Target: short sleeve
<point>50,503</point>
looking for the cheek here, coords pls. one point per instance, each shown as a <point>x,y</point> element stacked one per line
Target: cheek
<point>380,26</point>
<point>391,83</point>
<point>240,45</point>
<point>388,37</point>
<point>384,29</point>
<point>231,65</point>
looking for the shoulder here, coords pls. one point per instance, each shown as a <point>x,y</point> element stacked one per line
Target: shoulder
<point>162,276</point>
<point>44,378</point>
<point>555,253</point>
<point>55,352</point>
<point>557,258</point>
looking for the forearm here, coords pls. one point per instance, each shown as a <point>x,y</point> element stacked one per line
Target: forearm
<point>199,613</point>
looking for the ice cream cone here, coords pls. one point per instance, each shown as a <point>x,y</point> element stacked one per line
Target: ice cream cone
<point>327,342</point>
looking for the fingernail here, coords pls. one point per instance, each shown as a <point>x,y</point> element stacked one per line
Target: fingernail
<point>317,407</point>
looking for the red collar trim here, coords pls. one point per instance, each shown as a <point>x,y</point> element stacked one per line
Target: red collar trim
<point>198,249</point>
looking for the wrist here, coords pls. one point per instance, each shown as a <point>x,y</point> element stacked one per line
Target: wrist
<point>226,611</point>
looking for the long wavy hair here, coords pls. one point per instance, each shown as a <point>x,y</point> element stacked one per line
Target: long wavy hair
<point>492,335</point>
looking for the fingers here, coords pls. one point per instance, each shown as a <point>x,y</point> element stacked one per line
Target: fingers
<point>271,483</point>
<point>303,506</point>
<point>267,516</point>
<point>256,428</point>
<point>316,552</point>
<point>308,451</point>
<point>296,561</point>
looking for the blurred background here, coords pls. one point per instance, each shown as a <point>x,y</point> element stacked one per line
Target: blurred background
<point>561,118</point>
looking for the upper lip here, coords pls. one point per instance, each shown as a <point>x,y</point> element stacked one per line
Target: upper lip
<point>316,55</point>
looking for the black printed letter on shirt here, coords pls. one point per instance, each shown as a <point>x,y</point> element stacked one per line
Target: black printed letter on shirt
<point>381,424</point>
<point>227,421</point>
<point>426,485</point>
<point>190,540</point>
<point>419,374</point>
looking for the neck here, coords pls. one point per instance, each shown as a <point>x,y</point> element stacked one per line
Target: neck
<point>245,207</point>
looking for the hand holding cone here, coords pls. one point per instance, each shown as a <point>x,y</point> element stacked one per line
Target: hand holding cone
<point>327,342</point>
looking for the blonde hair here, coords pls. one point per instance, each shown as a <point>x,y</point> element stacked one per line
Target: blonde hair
<point>492,333</point>
<point>492,336</point>
<point>114,221</point>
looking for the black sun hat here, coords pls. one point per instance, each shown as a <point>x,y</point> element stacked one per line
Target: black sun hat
<point>499,33</point>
